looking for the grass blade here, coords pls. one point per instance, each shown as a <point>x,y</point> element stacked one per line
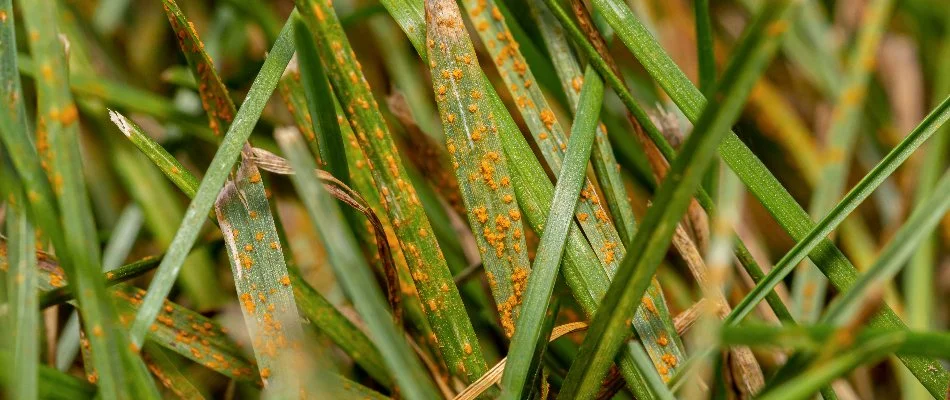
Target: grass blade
<point>742,253</point>
<point>761,183</point>
<point>120,372</point>
<point>430,272</point>
<point>704,46</point>
<point>809,283</point>
<point>546,130</point>
<point>861,191</point>
<point>481,166</point>
<point>340,330</point>
<point>217,173</point>
<point>812,338</point>
<point>23,314</point>
<point>604,161</point>
<point>649,244</point>
<point>356,278</point>
<point>260,275</point>
<point>586,277</point>
<point>921,223</point>
<point>214,96</point>
<point>819,375</point>
<point>540,285</point>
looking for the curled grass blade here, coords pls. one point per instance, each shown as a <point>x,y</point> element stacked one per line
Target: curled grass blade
<point>430,272</point>
<point>516,379</point>
<point>217,173</point>
<point>810,286</point>
<point>121,373</point>
<point>355,275</point>
<point>921,223</point>
<point>749,168</point>
<point>650,243</point>
<point>481,167</point>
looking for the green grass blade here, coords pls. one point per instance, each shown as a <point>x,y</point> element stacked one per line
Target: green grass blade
<point>546,263</point>
<point>56,384</point>
<point>167,163</point>
<point>364,184</point>
<point>320,97</point>
<point>545,129</point>
<point>921,223</point>
<point>582,270</point>
<point>649,244</point>
<point>217,173</point>
<point>810,286</point>
<point>340,330</point>
<point>704,46</point>
<point>761,183</point>
<point>819,375</point>
<point>177,328</point>
<point>214,96</point>
<point>128,98</point>
<point>742,253</point>
<point>430,272</point>
<point>21,288</point>
<point>812,240</point>
<point>121,373</point>
<point>355,275</point>
<point>812,338</point>
<point>604,161</point>
<point>168,373</point>
<point>481,166</point>
<point>260,275</point>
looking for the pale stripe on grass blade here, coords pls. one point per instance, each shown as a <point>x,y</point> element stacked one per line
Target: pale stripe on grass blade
<point>481,167</point>
<point>354,273</point>
<point>217,173</point>
<point>260,275</point>
<point>809,286</point>
<point>892,258</point>
<point>22,312</point>
<point>582,270</point>
<point>750,169</point>
<point>121,373</point>
<point>547,261</point>
<point>608,329</point>
<point>445,311</point>
<point>812,240</point>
